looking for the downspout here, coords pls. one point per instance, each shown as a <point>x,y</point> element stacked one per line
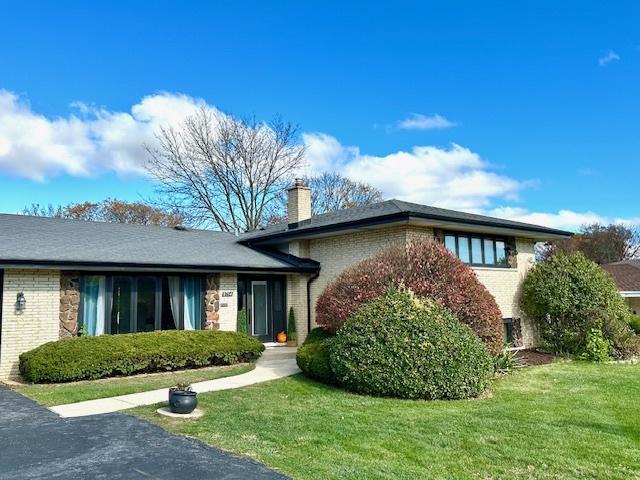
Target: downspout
<point>309,282</point>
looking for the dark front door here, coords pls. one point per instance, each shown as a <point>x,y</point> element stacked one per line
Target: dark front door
<point>263,298</point>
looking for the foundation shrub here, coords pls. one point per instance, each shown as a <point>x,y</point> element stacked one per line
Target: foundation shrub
<point>89,358</point>
<point>403,346</point>
<point>426,268</point>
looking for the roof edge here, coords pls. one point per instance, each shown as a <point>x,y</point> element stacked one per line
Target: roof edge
<point>400,216</point>
<point>119,266</point>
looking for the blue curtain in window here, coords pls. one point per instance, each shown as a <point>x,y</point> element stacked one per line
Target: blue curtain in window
<point>93,296</point>
<point>192,304</point>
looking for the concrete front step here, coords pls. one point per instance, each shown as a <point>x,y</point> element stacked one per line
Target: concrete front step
<point>279,353</point>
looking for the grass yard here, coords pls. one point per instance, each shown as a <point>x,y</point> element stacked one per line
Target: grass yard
<point>560,421</point>
<point>60,393</point>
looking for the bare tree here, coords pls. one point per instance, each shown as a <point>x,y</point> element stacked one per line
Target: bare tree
<point>109,210</point>
<point>223,172</point>
<point>329,192</point>
<point>600,243</point>
<point>332,191</point>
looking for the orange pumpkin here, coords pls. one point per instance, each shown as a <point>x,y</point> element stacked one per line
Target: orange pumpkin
<point>282,337</point>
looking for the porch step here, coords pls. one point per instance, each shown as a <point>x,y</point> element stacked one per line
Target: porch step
<point>279,353</point>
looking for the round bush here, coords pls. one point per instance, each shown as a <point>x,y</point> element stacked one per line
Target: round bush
<point>89,358</point>
<point>313,356</point>
<point>428,269</point>
<point>569,296</point>
<point>401,346</point>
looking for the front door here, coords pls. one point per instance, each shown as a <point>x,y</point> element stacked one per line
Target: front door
<point>263,297</point>
<point>259,311</point>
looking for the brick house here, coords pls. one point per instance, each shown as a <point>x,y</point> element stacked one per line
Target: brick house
<point>59,277</point>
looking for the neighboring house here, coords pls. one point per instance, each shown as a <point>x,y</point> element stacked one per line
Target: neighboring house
<point>62,276</point>
<point>626,274</point>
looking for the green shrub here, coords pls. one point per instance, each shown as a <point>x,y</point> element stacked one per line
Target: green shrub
<point>634,323</point>
<point>568,295</point>
<point>243,323</point>
<point>313,356</point>
<point>291,326</point>
<point>89,358</point>
<point>597,348</point>
<point>402,346</point>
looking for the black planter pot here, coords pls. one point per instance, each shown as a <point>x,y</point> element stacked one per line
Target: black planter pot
<point>182,401</point>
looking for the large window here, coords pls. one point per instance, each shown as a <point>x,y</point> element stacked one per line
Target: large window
<point>478,249</point>
<point>140,303</point>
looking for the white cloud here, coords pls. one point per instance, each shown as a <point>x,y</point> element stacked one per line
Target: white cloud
<point>563,219</point>
<point>453,177</point>
<point>91,140</point>
<point>86,142</point>
<point>417,121</point>
<point>609,57</point>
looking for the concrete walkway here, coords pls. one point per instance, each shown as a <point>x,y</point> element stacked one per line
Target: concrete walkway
<point>277,362</point>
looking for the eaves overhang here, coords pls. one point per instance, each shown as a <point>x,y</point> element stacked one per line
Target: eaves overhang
<point>438,221</point>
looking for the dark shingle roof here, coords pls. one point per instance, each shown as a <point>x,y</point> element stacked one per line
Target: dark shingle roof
<point>626,274</point>
<point>42,240</point>
<point>392,210</point>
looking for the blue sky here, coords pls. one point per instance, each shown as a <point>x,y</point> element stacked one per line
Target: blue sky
<point>529,110</point>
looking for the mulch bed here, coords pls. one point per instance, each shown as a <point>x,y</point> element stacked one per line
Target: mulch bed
<point>534,357</point>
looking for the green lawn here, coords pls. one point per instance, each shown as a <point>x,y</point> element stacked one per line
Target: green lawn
<point>561,421</point>
<point>60,393</point>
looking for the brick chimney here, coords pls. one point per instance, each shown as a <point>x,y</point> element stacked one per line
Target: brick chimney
<point>298,202</point>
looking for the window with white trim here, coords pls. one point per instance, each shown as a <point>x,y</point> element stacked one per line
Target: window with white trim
<point>478,250</point>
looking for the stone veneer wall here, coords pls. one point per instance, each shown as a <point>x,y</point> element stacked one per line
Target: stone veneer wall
<point>69,303</point>
<point>38,323</point>
<point>212,302</point>
<point>221,302</point>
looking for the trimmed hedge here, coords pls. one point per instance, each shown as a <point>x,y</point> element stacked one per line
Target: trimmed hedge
<point>406,347</point>
<point>426,268</point>
<point>89,358</point>
<point>569,296</point>
<point>313,356</point>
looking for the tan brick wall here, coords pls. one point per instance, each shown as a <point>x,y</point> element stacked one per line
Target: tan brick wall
<point>228,312</point>
<point>37,324</point>
<point>338,252</point>
<point>505,284</point>
<point>297,299</point>
<point>298,204</point>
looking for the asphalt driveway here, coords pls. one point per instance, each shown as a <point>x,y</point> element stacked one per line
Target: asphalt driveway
<point>37,444</point>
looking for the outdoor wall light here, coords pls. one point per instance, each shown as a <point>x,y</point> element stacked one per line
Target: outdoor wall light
<point>21,302</point>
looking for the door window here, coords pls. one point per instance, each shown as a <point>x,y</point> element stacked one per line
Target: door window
<point>260,324</point>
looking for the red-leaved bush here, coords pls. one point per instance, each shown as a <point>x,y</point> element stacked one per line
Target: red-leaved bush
<point>429,270</point>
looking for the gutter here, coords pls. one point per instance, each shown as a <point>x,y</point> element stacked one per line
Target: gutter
<point>151,267</point>
<point>310,280</point>
<point>629,293</point>
<point>301,231</point>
